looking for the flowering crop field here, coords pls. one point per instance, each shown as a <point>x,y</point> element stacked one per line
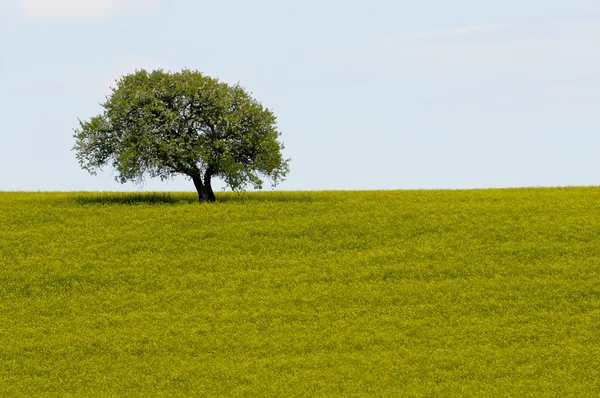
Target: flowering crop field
<point>358,293</point>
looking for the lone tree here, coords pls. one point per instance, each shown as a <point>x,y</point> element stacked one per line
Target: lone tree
<point>162,124</point>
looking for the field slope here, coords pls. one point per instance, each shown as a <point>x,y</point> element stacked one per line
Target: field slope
<point>390,293</point>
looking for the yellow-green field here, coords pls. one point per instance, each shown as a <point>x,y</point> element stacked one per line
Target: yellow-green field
<point>389,293</point>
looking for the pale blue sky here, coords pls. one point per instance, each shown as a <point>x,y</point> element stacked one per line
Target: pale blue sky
<point>380,94</point>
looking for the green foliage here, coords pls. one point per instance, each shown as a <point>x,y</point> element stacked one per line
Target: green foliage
<point>397,293</point>
<point>161,124</point>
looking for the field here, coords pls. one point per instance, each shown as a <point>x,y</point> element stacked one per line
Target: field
<point>387,293</point>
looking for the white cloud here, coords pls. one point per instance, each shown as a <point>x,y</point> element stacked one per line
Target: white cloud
<point>82,9</point>
<point>460,31</point>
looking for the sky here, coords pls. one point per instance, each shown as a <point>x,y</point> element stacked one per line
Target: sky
<point>369,94</point>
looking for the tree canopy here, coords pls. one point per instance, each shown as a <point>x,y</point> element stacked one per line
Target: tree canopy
<point>160,124</point>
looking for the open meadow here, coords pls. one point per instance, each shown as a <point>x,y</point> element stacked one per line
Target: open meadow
<point>352,293</point>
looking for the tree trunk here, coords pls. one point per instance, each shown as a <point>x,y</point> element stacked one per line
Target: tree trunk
<point>207,185</point>
<point>201,189</point>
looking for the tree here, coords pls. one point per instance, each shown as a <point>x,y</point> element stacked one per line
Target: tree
<point>162,124</point>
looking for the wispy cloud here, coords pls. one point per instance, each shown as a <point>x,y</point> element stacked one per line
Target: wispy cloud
<point>459,31</point>
<point>82,9</point>
<point>100,80</point>
<point>552,53</point>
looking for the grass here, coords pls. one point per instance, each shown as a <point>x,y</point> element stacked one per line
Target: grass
<point>389,293</point>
